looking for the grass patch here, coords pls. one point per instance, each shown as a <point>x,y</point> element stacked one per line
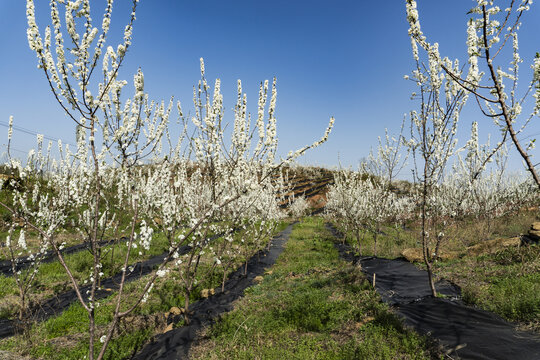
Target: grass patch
<point>506,282</point>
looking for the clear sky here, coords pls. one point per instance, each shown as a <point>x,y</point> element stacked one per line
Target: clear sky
<point>342,58</point>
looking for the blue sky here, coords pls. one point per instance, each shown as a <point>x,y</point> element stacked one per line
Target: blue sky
<point>344,58</point>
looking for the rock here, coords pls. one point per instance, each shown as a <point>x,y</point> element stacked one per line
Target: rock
<point>175,311</point>
<point>535,226</point>
<point>416,255</point>
<point>534,234</point>
<point>207,292</point>
<point>515,241</point>
<point>168,328</point>
<point>413,254</point>
<point>258,279</point>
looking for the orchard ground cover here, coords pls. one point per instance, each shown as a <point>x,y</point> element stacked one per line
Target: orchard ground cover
<point>51,280</point>
<point>500,279</point>
<point>312,305</point>
<point>65,336</point>
<point>506,282</point>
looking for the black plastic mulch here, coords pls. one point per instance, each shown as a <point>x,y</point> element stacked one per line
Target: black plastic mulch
<point>466,332</point>
<point>391,285</point>
<point>49,256</point>
<point>175,344</point>
<point>57,304</point>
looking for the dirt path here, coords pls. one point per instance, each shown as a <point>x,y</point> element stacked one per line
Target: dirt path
<point>465,331</point>
<point>175,344</point>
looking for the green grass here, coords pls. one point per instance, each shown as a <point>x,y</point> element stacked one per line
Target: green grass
<point>52,278</point>
<point>65,336</point>
<point>311,306</point>
<point>506,282</point>
<point>514,298</point>
<point>390,241</point>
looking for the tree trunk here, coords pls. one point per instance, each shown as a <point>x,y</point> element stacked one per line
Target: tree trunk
<point>437,247</point>
<point>358,242</point>
<point>22,309</point>
<point>425,240</point>
<point>91,330</point>
<point>430,278</point>
<point>377,229</point>
<point>186,306</point>
<point>223,280</point>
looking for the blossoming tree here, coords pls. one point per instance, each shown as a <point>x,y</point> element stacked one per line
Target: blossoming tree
<point>127,162</point>
<point>490,31</point>
<point>433,128</point>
